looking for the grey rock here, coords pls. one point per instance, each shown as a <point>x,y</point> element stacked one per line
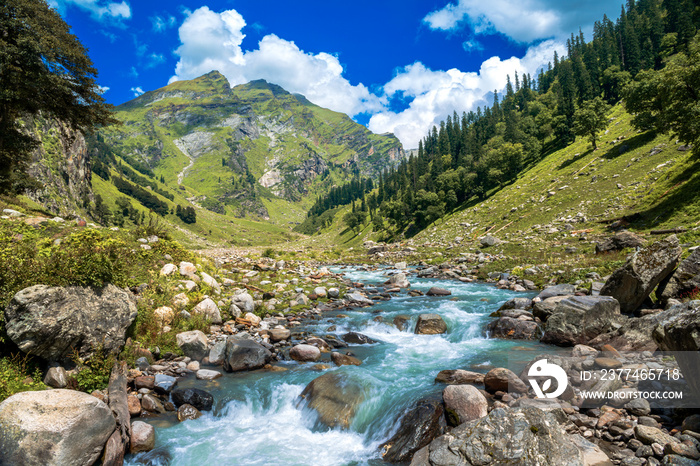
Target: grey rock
<point>200,399</point>
<point>430,324</point>
<point>418,427</point>
<point>437,291</point>
<point>143,437</point>
<point>489,240</point>
<point>164,383</point>
<point>193,344</point>
<point>53,322</point>
<point>53,427</point>
<point>217,353</point>
<point>305,353</point>
<point>579,319</point>
<point>463,403</point>
<point>526,436</point>
<point>545,308</point>
<point>208,309</point>
<point>335,398</point>
<point>683,281</point>
<point>563,289</point>
<point>56,377</point>
<point>513,329</point>
<point>621,240</point>
<point>244,354</point>
<point>632,283</point>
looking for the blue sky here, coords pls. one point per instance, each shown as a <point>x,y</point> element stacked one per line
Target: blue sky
<point>395,66</point>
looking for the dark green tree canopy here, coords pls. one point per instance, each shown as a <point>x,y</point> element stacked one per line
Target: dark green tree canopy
<point>43,68</point>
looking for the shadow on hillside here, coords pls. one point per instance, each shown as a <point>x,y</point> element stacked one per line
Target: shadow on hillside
<point>630,144</point>
<point>574,159</point>
<point>686,191</point>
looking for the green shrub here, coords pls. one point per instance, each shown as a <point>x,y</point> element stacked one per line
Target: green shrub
<point>93,373</point>
<point>18,374</point>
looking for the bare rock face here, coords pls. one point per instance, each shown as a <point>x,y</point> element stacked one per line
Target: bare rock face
<point>579,319</point>
<point>506,436</point>
<point>418,427</point>
<point>335,398</point>
<point>50,322</point>
<point>53,427</point>
<point>621,240</point>
<point>243,354</point>
<point>464,403</point>
<point>632,283</point>
<point>684,281</point>
<point>679,330</point>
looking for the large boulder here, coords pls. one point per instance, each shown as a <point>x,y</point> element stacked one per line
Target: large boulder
<point>355,338</point>
<point>430,324</point>
<point>208,309</point>
<point>632,283</point>
<point>579,319</point>
<point>305,353</point>
<point>635,334</point>
<point>514,329</point>
<point>398,280</point>
<point>53,322</point>
<point>459,377</point>
<point>143,437</point>
<point>563,289</point>
<point>245,302</point>
<point>621,240</point>
<point>678,330</point>
<point>684,281</point>
<point>335,398</point>
<point>506,436</point>
<point>545,308</point>
<point>418,427</point>
<point>501,379</point>
<point>245,354</point>
<point>463,403</point>
<point>200,399</point>
<point>53,427</point>
<point>193,344</point>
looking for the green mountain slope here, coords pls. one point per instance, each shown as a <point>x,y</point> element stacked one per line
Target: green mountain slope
<point>253,150</point>
<point>637,180</point>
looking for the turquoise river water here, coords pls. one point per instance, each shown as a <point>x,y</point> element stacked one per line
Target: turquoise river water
<point>256,419</point>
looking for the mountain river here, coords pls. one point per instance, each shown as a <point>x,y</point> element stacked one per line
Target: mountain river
<point>256,419</point>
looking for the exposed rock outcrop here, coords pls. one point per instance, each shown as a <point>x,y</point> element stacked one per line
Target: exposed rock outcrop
<point>52,322</point>
<point>632,283</point>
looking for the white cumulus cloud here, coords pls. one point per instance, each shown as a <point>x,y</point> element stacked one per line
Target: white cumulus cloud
<point>212,41</point>
<point>438,93</point>
<point>137,91</point>
<point>522,20</point>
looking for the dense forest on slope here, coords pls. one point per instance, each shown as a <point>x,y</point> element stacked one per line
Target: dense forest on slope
<point>646,59</point>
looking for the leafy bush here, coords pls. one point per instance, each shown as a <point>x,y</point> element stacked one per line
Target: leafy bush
<point>15,376</point>
<point>93,374</point>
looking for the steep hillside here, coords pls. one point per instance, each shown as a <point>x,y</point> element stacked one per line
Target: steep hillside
<point>252,150</point>
<point>556,210</point>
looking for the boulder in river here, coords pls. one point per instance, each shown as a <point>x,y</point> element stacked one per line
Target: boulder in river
<point>563,289</point>
<point>430,324</point>
<point>53,427</point>
<point>398,280</point>
<point>340,359</point>
<point>355,338</point>
<point>187,412</point>
<point>200,399</point>
<point>143,437</point>
<point>436,291</point>
<point>335,398</point>
<point>524,436</point>
<point>545,308</point>
<point>514,329</point>
<point>516,303</point>
<point>418,427</point>
<point>244,354</point>
<point>53,322</point>
<point>579,319</point>
<point>633,282</point>
<point>459,377</point>
<point>305,353</point>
